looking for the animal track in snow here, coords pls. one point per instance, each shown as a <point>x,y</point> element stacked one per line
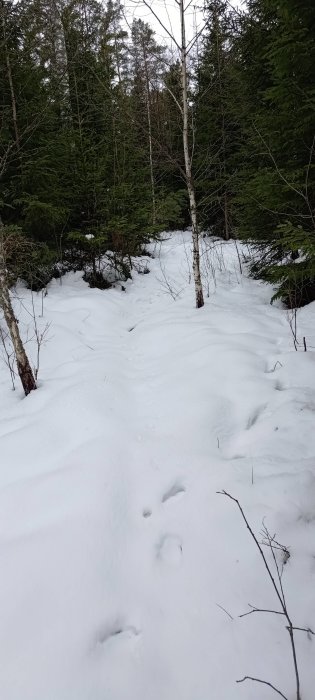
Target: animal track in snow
<point>174,491</point>
<point>169,549</point>
<point>147,513</point>
<point>253,418</point>
<point>279,386</point>
<point>115,628</point>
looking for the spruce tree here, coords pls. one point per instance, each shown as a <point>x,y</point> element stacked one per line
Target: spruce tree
<point>215,122</point>
<point>276,200</point>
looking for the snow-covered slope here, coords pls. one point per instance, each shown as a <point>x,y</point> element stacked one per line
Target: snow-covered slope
<point>117,555</point>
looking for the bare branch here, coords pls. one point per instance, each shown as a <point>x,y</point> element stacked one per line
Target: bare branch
<point>161,23</point>
<point>258,680</point>
<point>278,588</point>
<point>224,610</point>
<point>303,629</point>
<point>254,610</point>
<point>224,493</point>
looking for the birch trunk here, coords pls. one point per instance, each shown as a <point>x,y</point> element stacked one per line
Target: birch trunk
<point>23,366</point>
<point>188,170</point>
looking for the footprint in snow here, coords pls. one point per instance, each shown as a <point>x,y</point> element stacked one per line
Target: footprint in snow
<point>114,629</point>
<point>176,490</point>
<point>169,550</point>
<point>146,513</point>
<point>279,386</point>
<point>253,418</point>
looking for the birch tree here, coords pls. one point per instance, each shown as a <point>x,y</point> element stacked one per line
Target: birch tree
<point>11,244</point>
<point>184,49</point>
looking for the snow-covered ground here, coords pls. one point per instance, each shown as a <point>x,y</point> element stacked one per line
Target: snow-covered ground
<point>118,558</point>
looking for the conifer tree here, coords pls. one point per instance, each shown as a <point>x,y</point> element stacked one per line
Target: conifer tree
<point>215,122</point>
<point>276,204</point>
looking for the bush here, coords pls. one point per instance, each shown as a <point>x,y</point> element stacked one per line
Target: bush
<point>289,264</point>
<point>90,253</point>
<point>96,279</point>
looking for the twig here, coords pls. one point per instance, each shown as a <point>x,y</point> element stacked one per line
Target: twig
<point>275,366</point>
<point>8,357</point>
<point>303,629</point>
<point>258,680</point>
<point>254,610</point>
<point>228,495</point>
<point>224,610</point>
<point>272,543</point>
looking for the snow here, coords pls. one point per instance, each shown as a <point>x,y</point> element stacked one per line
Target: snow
<point>123,572</point>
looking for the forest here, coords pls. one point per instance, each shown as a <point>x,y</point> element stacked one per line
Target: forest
<point>91,138</point>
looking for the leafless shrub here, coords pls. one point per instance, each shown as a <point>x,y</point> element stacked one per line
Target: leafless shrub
<point>188,261</point>
<point>292,321</point>
<point>37,334</point>
<point>40,335</point>
<point>238,256</point>
<point>168,285</point>
<point>8,355</point>
<point>208,267</point>
<point>212,258</point>
<point>275,574</point>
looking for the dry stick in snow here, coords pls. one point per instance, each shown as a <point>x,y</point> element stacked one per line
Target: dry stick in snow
<point>187,260</point>
<point>293,327</point>
<point>258,680</point>
<point>167,284</point>
<point>8,356</point>
<point>40,336</point>
<point>276,581</point>
<point>238,256</point>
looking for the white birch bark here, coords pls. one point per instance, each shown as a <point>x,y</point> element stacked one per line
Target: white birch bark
<point>23,366</point>
<point>188,169</point>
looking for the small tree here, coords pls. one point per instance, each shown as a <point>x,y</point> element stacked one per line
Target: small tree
<point>184,49</point>
<point>14,248</point>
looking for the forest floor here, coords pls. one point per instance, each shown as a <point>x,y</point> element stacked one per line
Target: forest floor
<point>123,572</point>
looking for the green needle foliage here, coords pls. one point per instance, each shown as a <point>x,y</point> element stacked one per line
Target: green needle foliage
<point>74,138</point>
<point>91,148</point>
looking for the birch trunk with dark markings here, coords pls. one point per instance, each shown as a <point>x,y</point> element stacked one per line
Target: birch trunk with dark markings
<point>188,168</point>
<point>184,51</point>
<point>23,366</point>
